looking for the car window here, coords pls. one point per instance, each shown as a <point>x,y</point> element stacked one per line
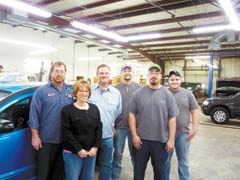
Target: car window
<point>18,113</point>
<point>3,94</point>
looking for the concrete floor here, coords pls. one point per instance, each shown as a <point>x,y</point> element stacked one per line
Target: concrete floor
<point>214,154</point>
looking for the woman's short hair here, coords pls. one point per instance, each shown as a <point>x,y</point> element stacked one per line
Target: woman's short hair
<point>79,85</point>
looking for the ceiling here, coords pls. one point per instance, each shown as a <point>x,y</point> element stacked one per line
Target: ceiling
<point>173,19</point>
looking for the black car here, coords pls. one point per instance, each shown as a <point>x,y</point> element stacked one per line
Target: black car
<point>226,91</point>
<point>221,109</point>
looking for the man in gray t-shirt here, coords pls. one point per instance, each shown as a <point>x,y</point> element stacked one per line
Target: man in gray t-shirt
<point>126,87</point>
<point>152,121</point>
<point>187,105</point>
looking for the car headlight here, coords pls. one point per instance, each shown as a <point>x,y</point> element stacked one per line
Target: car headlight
<point>205,103</point>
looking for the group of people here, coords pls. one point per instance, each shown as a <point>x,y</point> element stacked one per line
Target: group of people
<point>72,128</point>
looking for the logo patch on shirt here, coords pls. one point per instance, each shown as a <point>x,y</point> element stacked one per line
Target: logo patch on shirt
<point>51,94</point>
<point>68,95</point>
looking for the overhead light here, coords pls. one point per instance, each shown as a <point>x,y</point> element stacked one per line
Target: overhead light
<point>204,63</point>
<point>234,22</point>
<point>213,29</point>
<point>229,10</point>
<point>98,31</point>
<point>142,37</point>
<point>71,30</point>
<point>197,57</point>
<point>110,34</point>
<point>25,7</point>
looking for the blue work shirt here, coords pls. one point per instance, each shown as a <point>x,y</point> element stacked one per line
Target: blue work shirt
<point>45,111</point>
<point>109,103</point>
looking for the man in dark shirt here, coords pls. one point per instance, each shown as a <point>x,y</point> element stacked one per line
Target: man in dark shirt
<point>126,87</point>
<point>152,121</point>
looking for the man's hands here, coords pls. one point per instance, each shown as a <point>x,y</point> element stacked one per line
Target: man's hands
<point>191,134</point>
<point>136,142</point>
<point>36,142</point>
<point>169,146</point>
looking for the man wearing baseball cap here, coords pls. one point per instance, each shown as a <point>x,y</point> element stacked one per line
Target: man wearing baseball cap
<point>126,87</point>
<point>152,121</point>
<point>188,107</point>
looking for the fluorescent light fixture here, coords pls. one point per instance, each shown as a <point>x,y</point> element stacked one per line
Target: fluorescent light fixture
<point>229,10</point>
<point>71,30</point>
<point>142,37</point>
<point>98,31</point>
<point>110,34</point>
<point>232,16</point>
<point>213,29</point>
<point>204,63</point>
<point>25,7</point>
<point>197,57</point>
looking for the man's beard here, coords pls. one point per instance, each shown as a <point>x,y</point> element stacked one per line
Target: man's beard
<point>58,80</point>
<point>128,78</point>
<point>153,82</point>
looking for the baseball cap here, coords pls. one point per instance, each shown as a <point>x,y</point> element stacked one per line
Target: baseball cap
<point>126,66</point>
<point>176,73</point>
<point>156,66</point>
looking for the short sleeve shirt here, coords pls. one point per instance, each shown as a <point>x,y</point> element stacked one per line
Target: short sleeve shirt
<point>153,109</point>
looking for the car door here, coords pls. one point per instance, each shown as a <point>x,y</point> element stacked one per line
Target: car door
<point>17,157</point>
<point>236,109</point>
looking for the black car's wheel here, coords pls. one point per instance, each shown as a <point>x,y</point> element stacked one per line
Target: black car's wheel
<point>220,115</point>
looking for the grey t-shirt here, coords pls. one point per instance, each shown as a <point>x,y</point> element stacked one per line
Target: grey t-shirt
<point>186,102</point>
<point>153,108</point>
<point>126,91</point>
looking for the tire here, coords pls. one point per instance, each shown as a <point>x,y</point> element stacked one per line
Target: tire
<point>220,115</point>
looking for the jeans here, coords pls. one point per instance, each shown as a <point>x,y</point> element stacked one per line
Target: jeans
<point>50,164</point>
<point>119,144</point>
<point>182,152</point>
<point>77,168</point>
<point>105,159</point>
<point>154,149</point>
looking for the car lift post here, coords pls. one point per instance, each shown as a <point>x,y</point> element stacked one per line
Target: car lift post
<point>210,76</point>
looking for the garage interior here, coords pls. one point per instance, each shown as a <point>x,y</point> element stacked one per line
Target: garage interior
<point>170,25</point>
<point>174,41</point>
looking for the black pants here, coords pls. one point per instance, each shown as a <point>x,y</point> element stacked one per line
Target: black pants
<point>50,164</point>
<point>155,150</point>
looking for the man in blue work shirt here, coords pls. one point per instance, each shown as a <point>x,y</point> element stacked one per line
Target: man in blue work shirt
<point>109,102</point>
<point>45,123</point>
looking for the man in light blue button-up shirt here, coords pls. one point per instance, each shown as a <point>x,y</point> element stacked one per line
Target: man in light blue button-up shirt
<point>109,102</point>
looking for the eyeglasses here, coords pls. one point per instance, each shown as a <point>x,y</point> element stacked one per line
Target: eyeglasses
<point>59,72</point>
<point>82,91</point>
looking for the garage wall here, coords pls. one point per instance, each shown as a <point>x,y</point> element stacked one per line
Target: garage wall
<point>230,67</point>
<point>80,60</point>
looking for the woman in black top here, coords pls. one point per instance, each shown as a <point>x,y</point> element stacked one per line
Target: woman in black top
<point>82,134</point>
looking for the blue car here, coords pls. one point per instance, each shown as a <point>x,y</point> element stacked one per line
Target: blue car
<point>17,156</point>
